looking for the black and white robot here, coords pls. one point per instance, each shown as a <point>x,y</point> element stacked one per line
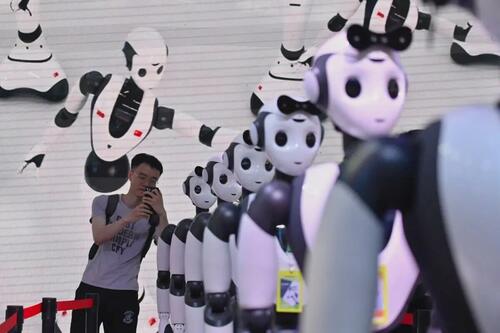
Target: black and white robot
<point>290,132</point>
<point>252,170</point>
<point>163,279</point>
<point>357,79</point>
<point>470,44</point>
<point>123,112</point>
<point>201,196</point>
<point>446,183</point>
<point>30,66</point>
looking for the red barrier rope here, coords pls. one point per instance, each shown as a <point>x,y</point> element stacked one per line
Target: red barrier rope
<point>8,324</point>
<point>33,310</point>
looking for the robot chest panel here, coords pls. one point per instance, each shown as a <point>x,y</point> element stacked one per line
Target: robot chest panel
<point>385,15</point>
<point>318,182</point>
<point>118,126</point>
<point>468,176</point>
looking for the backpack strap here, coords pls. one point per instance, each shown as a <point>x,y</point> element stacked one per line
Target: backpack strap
<point>153,222</point>
<point>109,211</point>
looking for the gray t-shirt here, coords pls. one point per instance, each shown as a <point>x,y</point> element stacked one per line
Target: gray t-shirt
<point>117,261</point>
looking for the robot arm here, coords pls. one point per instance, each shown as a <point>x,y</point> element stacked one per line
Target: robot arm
<point>257,264</point>
<point>217,268</point>
<point>339,21</point>
<point>163,280</point>
<point>89,84</point>
<point>343,267</point>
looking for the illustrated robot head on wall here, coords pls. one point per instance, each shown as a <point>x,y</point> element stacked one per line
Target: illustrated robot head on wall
<point>146,57</point>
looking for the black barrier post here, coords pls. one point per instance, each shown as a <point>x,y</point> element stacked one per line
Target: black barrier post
<point>91,314</point>
<point>49,310</point>
<point>12,309</point>
<point>421,320</point>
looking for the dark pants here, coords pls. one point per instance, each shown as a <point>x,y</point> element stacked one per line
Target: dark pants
<point>118,310</point>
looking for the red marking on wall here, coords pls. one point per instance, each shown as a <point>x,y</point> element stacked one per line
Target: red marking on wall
<point>259,87</point>
<point>64,313</point>
<point>152,321</point>
<point>380,14</point>
<point>138,133</point>
<point>55,74</point>
<point>100,113</point>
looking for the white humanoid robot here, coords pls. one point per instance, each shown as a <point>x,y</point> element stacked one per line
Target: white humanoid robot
<point>252,170</point>
<point>446,182</point>
<point>30,66</point>
<point>201,196</point>
<point>290,132</point>
<point>124,110</point>
<point>470,44</point>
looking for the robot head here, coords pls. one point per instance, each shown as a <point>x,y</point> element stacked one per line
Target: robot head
<point>146,55</point>
<point>198,190</point>
<point>222,180</point>
<point>249,163</point>
<point>290,132</point>
<point>361,89</point>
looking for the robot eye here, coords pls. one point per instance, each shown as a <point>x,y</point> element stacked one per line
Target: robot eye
<point>281,138</point>
<point>246,163</point>
<point>159,70</point>
<point>223,179</point>
<point>268,166</point>
<point>197,189</point>
<point>142,72</point>
<point>393,88</point>
<point>353,88</point>
<point>310,140</point>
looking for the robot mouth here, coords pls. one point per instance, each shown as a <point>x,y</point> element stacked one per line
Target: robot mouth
<point>206,201</point>
<point>298,163</point>
<point>258,182</point>
<point>233,194</point>
<point>379,120</point>
<point>299,120</point>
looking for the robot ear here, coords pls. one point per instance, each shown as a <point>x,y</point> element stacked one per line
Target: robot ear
<point>225,159</point>
<point>246,138</point>
<point>185,186</point>
<point>322,134</point>
<point>205,175</point>
<point>129,53</point>
<point>198,171</point>
<point>253,135</point>
<point>316,82</point>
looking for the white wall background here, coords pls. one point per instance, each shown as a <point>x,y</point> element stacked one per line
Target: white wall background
<point>219,49</point>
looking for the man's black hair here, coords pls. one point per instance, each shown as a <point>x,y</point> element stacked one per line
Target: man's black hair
<point>149,160</point>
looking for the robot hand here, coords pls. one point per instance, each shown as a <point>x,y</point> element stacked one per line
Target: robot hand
<point>35,156</point>
<point>16,5</point>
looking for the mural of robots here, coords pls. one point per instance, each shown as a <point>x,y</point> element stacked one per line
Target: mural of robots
<point>123,112</point>
<point>30,67</point>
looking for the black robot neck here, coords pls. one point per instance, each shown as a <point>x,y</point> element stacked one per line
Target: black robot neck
<point>245,193</point>
<point>283,176</point>
<point>349,144</point>
<point>200,210</point>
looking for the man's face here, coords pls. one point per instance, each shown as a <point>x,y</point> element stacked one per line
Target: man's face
<point>142,176</point>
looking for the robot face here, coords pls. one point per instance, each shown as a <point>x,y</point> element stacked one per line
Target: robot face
<point>292,142</point>
<point>224,183</point>
<point>200,194</point>
<point>148,56</point>
<point>366,90</point>
<point>251,167</point>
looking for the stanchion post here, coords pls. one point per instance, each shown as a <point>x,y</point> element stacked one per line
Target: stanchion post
<point>91,314</point>
<point>49,310</point>
<point>421,321</point>
<point>12,309</point>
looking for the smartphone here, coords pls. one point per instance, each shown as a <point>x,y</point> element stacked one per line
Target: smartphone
<point>147,190</point>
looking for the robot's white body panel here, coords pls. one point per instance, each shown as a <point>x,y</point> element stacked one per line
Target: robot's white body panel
<point>177,315</point>
<point>194,272</point>
<point>401,273</point>
<point>107,147</point>
<point>400,269</point>
<point>471,220</point>
<point>318,181</point>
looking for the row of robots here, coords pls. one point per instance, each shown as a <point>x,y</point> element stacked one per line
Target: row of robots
<point>220,271</point>
<point>418,204</point>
